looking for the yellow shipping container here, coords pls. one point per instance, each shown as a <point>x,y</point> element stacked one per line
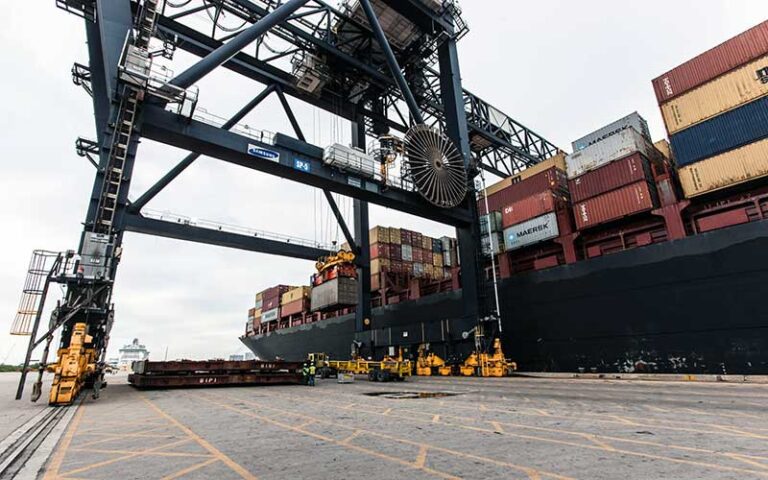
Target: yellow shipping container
<point>379,235</point>
<point>295,294</point>
<point>665,149</point>
<point>732,168</point>
<point>718,96</point>
<point>377,264</point>
<point>437,259</point>
<point>394,236</point>
<point>556,161</point>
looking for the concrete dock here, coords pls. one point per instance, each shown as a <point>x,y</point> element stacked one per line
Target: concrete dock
<point>423,428</point>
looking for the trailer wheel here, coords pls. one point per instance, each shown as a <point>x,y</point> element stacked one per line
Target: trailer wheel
<point>384,376</point>
<point>373,375</point>
<point>400,378</point>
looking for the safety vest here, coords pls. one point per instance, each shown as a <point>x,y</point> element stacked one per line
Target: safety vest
<point>312,370</point>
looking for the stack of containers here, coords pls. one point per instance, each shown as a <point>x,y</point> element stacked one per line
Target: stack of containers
<point>527,205</point>
<point>402,251</point>
<point>295,301</point>
<point>610,177</point>
<point>715,108</point>
<point>492,234</point>
<point>271,303</point>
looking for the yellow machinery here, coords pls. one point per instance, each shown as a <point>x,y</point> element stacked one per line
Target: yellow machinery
<point>429,364</point>
<point>341,264</point>
<point>484,364</point>
<point>75,364</point>
<point>388,369</point>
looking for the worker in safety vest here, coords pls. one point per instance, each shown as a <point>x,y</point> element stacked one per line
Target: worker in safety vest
<point>305,373</point>
<point>312,374</point>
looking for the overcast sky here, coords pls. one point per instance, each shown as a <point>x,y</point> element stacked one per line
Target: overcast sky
<point>561,67</point>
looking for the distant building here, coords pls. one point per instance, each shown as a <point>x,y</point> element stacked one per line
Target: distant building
<point>249,356</point>
<point>132,353</point>
<point>236,357</point>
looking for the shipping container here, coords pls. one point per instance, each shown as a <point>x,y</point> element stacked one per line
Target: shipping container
<point>492,244</point>
<point>437,259</point>
<point>448,243</point>
<point>382,250</point>
<point>551,179</point>
<point>725,93</point>
<point>630,200</point>
<point>334,294</point>
<point>416,239</point>
<point>295,294</point>
<point>394,236</point>
<point>418,270</point>
<point>736,128</point>
<point>558,161</point>
<point>437,245</point>
<point>447,259</point>
<point>407,253</point>
<point>663,147</point>
<point>251,313</point>
<point>610,177</point>
<point>531,232</point>
<point>379,235</point>
<point>294,308</point>
<point>530,207</point>
<point>270,315</point>
<point>633,120</point>
<point>732,168</point>
<point>258,304</point>
<point>395,251</point>
<point>259,297</point>
<point>727,56</point>
<point>418,254</point>
<point>379,264</point>
<point>490,223</point>
<point>405,236</point>
<point>270,303</point>
<point>275,292</point>
<point>623,144</point>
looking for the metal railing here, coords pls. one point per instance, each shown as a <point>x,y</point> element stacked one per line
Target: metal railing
<point>263,136</point>
<point>223,227</point>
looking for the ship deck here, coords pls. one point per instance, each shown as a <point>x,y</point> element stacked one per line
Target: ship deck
<point>422,428</point>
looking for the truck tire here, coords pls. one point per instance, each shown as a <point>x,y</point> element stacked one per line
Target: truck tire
<point>373,375</point>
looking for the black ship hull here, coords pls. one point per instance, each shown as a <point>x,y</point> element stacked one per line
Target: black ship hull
<point>698,305</point>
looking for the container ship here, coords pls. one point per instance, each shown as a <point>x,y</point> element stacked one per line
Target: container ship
<point>626,255</point>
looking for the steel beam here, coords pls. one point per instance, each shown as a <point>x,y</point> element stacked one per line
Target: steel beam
<point>394,67</point>
<point>456,128</point>
<point>172,129</point>
<point>363,315</point>
<point>152,192</point>
<point>228,50</point>
<point>178,231</point>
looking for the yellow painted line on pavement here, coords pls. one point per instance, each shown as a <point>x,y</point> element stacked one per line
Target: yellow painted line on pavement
<point>191,469</point>
<point>52,471</point>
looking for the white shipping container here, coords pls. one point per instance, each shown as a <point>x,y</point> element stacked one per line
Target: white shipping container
<point>407,253</point>
<point>270,315</point>
<point>492,244</point>
<point>618,146</point>
<point>531,231</point>
<point>490,223</point>
<point>418,270</point>
<point>447,261</point>
<point>258,305</point>
<point>633,120</point>
<point>351,160</point>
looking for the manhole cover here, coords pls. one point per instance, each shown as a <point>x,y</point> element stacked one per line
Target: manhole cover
<point>410,395</point>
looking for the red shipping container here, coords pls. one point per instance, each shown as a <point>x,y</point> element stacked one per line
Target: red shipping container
<point>619,173</point>
<point>270,303</point>
<point>632,199</point>
<point>713,63</point>
<point>294,308</point>
<point>405,236</point>
<point>528,208</point>
<point>396,252</point>
<point>396,266</point>
<point>418,255</point>
<point>416,239</point>
<point>553,179</point>
<point>275,292</point>
<point>380,250</point>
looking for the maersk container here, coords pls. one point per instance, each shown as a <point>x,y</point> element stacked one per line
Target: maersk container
<point>727,56</point>
<point>334,294</point>
<point>731,130</point>
<point>528,208</point>
<point>610,177</point>
<point>730,91</point>
<point>630,200</point>
<point>490,223</point>
<point>532,231</point>
<point>620,145</point>
<point>553,179</point>
<point>732,168</point>
<point>633,120</point>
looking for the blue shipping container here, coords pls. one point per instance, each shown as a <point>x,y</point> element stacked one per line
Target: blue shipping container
<point>725,132</point>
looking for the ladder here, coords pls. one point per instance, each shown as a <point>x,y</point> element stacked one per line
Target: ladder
<point>42,266</point>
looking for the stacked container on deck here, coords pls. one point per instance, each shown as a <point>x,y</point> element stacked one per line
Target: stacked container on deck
<point>401,251</point>
<point>715,108</point>
<point>609,173</point>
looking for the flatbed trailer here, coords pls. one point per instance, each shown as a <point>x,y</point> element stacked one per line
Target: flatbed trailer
<point>209,373</point>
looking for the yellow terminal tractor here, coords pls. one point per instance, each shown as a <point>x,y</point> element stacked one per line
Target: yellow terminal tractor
<point>75,363</point>
<point>429,364</point>
<point>483,364</point>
